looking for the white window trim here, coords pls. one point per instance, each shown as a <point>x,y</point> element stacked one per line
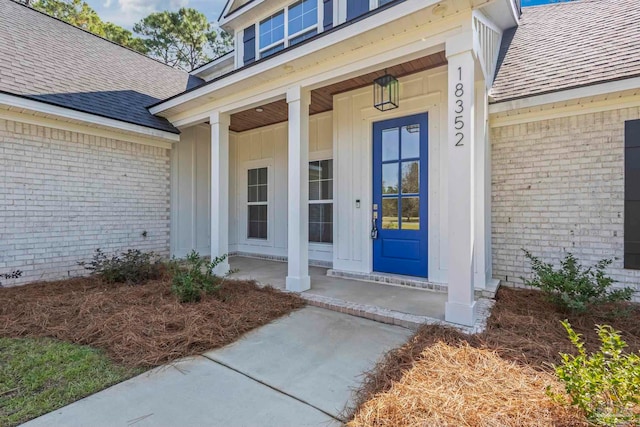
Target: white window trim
<point>286,40</point>
<point>244,203</point>
<point>318,157</point>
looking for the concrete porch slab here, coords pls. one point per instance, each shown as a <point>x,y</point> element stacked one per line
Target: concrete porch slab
<point>406,306</point>
<point>414,301</point>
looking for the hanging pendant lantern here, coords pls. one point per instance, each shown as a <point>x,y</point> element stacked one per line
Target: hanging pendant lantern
<point>386,92</point>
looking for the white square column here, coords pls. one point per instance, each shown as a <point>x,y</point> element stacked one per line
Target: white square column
<point>298,198</point>
<point>220,188</point>
<point>482,181</point>
<point>460,306</point>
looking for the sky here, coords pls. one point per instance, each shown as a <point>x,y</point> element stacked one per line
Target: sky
<point>127,12</point>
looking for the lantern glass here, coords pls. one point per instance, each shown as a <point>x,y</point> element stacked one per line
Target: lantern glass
<point>386,93</point>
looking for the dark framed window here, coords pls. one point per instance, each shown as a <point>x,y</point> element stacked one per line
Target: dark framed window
<point>303,20</point>
<point>321,201</point>
<point>287,27</point>
<point>632,195</point>
<point>272,34</point>
<point>257,203</point>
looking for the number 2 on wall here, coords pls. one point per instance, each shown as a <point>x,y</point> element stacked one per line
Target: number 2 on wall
<point>459,109</point>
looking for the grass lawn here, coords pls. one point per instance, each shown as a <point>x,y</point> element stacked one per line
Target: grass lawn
<point>38,375</point>
<point>442,377</point>
<point>61,341</point>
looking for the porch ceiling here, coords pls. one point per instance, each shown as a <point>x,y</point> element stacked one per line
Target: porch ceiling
<point>322,98</point>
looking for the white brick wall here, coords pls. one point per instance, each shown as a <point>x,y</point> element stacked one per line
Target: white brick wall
<point>558,186</point>
<point>64,194</point>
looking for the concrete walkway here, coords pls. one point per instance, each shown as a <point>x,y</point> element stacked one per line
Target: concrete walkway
<point>297,371</point>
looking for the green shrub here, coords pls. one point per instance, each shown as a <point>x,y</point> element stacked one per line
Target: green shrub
<point>194,277</point>
<point>606,384</point>
<point>572,286</point>
<point>8,276</point>
<point>133,266</point>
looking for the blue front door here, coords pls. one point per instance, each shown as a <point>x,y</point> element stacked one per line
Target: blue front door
<point>400,148</point>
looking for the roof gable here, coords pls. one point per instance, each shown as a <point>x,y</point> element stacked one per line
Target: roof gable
<point>48,60</point>
<point>567,45</point>
<point>233,5</point>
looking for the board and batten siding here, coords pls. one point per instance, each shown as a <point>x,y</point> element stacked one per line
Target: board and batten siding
<point>64,194</point>
<point>559,186</point>
<point>345,134</point>
<point>257,148</point>
<point>424,92</point>
<point>190,192</point>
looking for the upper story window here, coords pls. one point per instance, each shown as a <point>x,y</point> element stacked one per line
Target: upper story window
<point>303,20</point>
<point>272,34</point>
<point>292,25</point>
<point>297,22</point>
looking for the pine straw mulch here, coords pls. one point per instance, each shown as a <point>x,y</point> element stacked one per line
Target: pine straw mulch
<point>139,326</point>
<point>442,377</point>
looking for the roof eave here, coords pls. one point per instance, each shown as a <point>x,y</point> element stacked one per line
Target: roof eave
<point>602,87</point>
<point>22,103</point>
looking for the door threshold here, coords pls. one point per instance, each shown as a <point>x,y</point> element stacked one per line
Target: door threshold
<point>390,279</point>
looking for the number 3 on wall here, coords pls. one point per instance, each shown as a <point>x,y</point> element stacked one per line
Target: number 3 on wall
<point>459,109</point>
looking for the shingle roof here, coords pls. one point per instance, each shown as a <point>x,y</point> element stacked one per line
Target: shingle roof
<point>48,60</point>
<point>566,45</point>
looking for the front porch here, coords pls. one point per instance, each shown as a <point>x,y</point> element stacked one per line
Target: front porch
<point>404,306</point>
<point>303,166</point>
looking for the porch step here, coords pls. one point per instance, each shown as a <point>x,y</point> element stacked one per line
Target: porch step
<point>410,282</point>
<point>392,317</point>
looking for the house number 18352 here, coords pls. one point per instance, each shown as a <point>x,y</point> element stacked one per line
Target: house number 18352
<point>459,108</point>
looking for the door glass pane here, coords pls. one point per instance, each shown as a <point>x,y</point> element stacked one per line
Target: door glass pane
<point>411,213</point>
<point>410,141</point>
<point>390,144</point>
<point>390,178</point>
<point>390,213</point>
<point>411,177</point>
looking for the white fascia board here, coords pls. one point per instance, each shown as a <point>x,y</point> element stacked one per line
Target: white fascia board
<point>566,95</point>
<point>349,31</point>
<point>219,60</point>
<point>228,18</point>
<point>63,113</point>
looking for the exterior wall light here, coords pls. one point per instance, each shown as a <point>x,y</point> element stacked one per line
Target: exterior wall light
<point>386,92</point>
